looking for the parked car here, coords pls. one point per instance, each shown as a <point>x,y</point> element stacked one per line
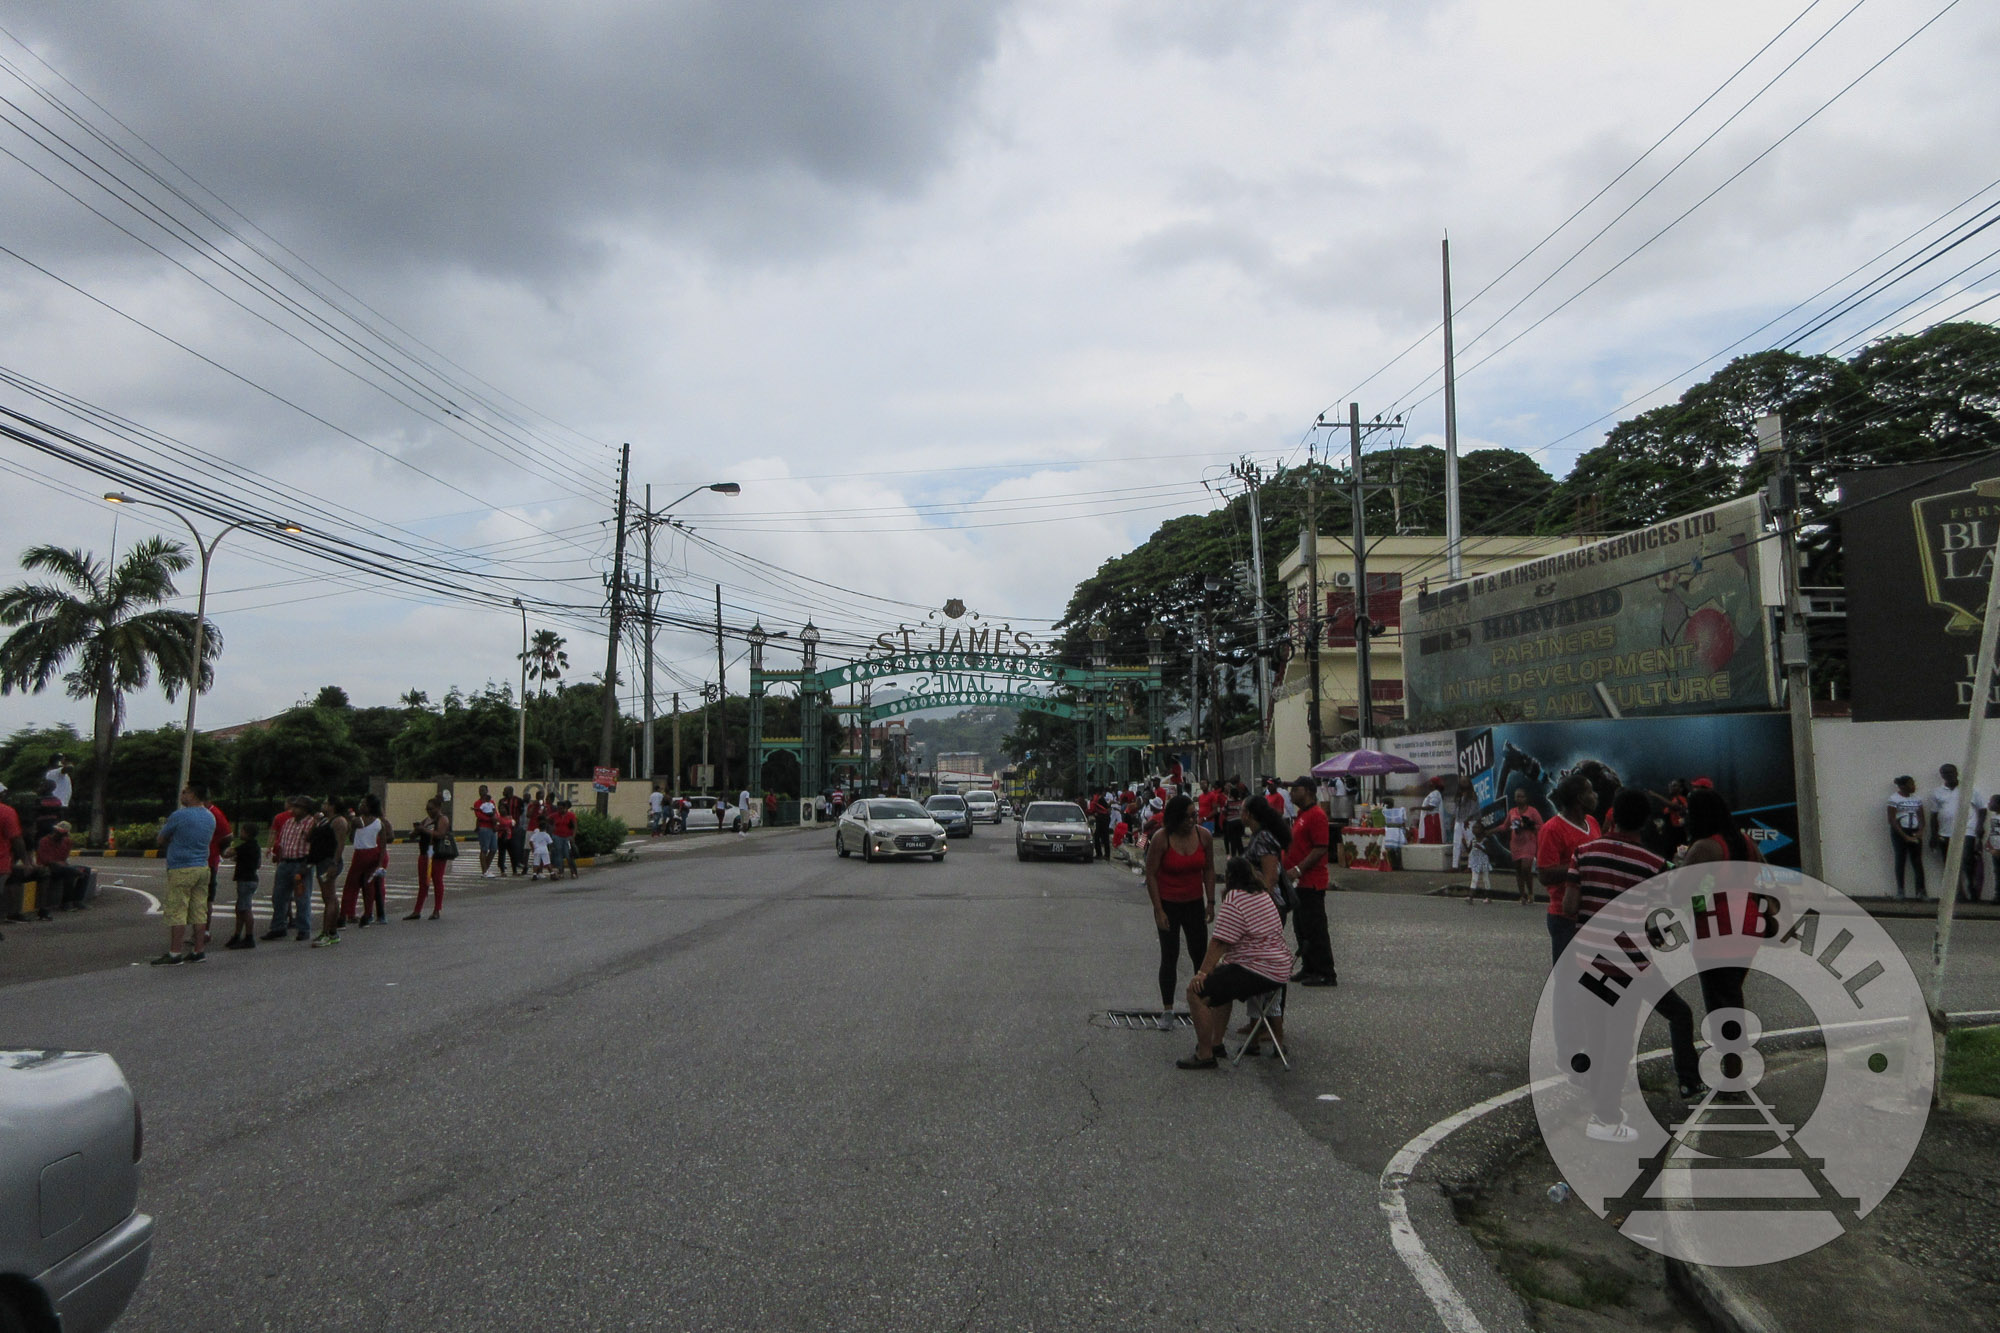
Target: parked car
<point>73,1244</point>
<point>884,827</point>
<point>952,814</point>
<point>1053,828</point>
<point>985,806</point>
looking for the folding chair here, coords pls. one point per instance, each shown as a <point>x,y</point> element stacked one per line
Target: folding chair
<point>1258,1009</point>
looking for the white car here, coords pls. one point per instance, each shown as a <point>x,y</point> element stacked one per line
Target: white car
<point>887,827</point>
<point>985,807</point>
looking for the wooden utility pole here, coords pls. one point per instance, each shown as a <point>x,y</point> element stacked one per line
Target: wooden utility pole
<point>1364,687</point>
<point>1309,552</point>
<point>607,740</point>
<point>677,742</point>
<point>1453,541</point>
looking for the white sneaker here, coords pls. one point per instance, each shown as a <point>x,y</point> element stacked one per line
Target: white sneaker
<point>1603,1133</point>
<point>492,874</point>
<point>1167,1020</point>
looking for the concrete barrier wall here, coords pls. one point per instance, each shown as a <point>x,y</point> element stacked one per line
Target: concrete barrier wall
<point>403,802</point>
<point>1857,764</point>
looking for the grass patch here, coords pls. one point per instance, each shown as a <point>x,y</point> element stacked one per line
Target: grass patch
<point>1972,1061</point>
<point>1551,1273</point>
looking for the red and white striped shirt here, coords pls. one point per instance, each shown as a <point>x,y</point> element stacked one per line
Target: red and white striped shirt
<point>1606,867</point>
<point>1248,922</point>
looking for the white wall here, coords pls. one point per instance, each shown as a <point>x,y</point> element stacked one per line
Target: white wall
<point>1858,763</point>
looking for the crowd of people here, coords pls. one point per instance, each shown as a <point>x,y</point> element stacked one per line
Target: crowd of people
<point>1920,823</point>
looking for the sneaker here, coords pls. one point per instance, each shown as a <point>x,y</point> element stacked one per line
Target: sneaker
<point>168,960</point>
<point>1606,1133</point>
<point>364,923</point>
<point>303,937</point>
<point>198,956</point>
<point>326,941</point>
<point>492,874</point>
<point>1196,1062</point>
<point>272,935</point>
<point>1166,1020</point>
<point>1693,1092</point>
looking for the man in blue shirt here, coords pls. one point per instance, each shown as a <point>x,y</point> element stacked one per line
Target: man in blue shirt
<point>185,836</point>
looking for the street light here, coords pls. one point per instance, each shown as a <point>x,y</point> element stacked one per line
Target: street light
<point>200,604</point>
<point>653,518</point>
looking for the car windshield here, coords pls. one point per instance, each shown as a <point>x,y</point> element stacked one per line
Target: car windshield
<point>985,797</point>
<point>896,810</point>
<point>944,803</point>
<point>1052,813</point>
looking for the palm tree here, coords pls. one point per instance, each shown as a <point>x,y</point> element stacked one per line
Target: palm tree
<point>109,628</point>
<point>415,700</point>
<point>546,659</point>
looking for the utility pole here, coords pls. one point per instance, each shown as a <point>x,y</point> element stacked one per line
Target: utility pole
<point>652,605</point>
<point>1454,557</point>
<point>721,693</point>
<point>677,743</point>
<point>706,712</point>
<point>1315,738</point>
<point>1251,476</point>
<point>1364,688</point>
<point>607,740</point>
<point>1793,649</point>
<point>1194,696</point>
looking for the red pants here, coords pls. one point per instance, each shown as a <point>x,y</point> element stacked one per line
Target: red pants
<point>434,883</point>
<point>361,868</point>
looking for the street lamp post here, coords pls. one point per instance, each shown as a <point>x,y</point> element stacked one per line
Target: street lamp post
<point>200,605</point>
<point>521,745</point>
<point>650,594</point>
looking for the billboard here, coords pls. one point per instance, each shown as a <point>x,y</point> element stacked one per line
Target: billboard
<point>1918,547</point>
<point>1748,756</point>
<point>1667,620</point>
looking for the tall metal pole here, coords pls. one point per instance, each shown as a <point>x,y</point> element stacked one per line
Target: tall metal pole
<point>1315,735</point>
<point>677,743</point>
<point>1194,687</point>
<point>200,642</point>
<point>721,693</point>
<point>1252,478</point>
<point>1968,772</point>
<point>1364,713</point>
<point>1793,648</point>
<point>646,767</point>
<point>607,739</point>
<point>521,736</point>
<point>1454,560</point>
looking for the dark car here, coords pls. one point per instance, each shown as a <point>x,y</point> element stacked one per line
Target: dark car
<point>952,813</point>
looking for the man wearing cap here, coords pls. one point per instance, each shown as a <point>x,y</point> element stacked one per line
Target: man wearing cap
<point>62,883</point>
<point>1305,860</point>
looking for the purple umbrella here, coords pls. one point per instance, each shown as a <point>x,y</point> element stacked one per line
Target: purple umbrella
<point>1363,764</point>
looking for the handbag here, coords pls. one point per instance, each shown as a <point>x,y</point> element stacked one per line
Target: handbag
<point>444,847</point>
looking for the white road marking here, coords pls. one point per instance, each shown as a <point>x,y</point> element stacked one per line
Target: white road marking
<point>1430,1275</point>
<point>1328,1097</point>
<point>152,903</point>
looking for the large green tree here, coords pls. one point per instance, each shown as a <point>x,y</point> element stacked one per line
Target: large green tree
<point>307,750</point>
<point>108,633</point>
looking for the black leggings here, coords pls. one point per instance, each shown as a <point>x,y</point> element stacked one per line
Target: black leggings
<point>1909,854</point>
<point>1189,919</point>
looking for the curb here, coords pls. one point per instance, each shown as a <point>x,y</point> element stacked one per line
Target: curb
<point>1714,1293</point>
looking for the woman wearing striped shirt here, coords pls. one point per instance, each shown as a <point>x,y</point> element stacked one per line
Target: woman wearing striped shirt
<point>1247,957</point>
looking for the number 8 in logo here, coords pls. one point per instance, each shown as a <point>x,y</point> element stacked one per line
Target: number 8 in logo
<point>1732,1062</point>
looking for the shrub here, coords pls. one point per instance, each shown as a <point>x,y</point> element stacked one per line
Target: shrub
<point>137,837</point>
<point>598,835</point>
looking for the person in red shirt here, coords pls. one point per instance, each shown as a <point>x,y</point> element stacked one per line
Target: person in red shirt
<point>14,861</point>
<point>484,815</point>
<point>1305,859</point>
<point>62,883</point>
<point>1555,854</point>
<point>562,827</point>
<point>216,846</point>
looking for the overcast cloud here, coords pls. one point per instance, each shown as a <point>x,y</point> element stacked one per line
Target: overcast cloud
<point>968,296</point>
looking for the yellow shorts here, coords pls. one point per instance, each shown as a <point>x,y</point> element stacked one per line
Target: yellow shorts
<point>187,897</point>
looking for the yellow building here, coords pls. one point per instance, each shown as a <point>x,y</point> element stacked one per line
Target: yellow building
<point>1397,567</point>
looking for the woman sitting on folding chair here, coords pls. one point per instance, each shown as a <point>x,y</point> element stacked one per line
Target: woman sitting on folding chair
<point>1247,957</point>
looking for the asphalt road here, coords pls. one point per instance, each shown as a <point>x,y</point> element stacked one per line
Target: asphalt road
<point>748,1085</point>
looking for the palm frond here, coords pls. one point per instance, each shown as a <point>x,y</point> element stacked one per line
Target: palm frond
<point>79,570</point>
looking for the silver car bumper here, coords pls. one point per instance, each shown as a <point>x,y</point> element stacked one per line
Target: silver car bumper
<point>91,1288</point>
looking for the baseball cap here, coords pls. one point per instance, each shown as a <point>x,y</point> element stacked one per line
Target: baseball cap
<point>1703,783</point>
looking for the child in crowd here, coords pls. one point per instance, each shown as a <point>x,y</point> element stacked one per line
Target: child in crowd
<point>247,857</point>
<point>1480,862</point>
<point>538,851</point>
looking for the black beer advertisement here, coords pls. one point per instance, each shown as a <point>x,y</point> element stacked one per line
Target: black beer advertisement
<point>1918,547</point>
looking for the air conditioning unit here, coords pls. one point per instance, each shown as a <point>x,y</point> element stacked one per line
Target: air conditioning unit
<point>1344,579</point>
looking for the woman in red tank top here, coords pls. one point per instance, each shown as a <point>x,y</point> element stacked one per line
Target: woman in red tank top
<point>1180,879</point>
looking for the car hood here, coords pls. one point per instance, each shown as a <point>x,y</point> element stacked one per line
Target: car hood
<point>924,825</point>
<point>1054,826</point>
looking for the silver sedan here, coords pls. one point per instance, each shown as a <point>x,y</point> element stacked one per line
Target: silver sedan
<point>1053,828</point>
<point>73,1244</point>
<point>887,828</point>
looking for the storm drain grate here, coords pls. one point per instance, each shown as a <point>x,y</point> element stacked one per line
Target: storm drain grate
<point>1143,1019</point>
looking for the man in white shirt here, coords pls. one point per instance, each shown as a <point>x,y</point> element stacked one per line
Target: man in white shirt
<point>58,777</point>
<point>656,805</point>
<point>1943,803</point>
<point>746,813</point>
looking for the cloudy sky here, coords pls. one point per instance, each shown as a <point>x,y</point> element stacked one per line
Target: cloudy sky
<point>967,296</point>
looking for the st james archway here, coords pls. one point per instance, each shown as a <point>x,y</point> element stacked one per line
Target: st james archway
<point>1116,705</point>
